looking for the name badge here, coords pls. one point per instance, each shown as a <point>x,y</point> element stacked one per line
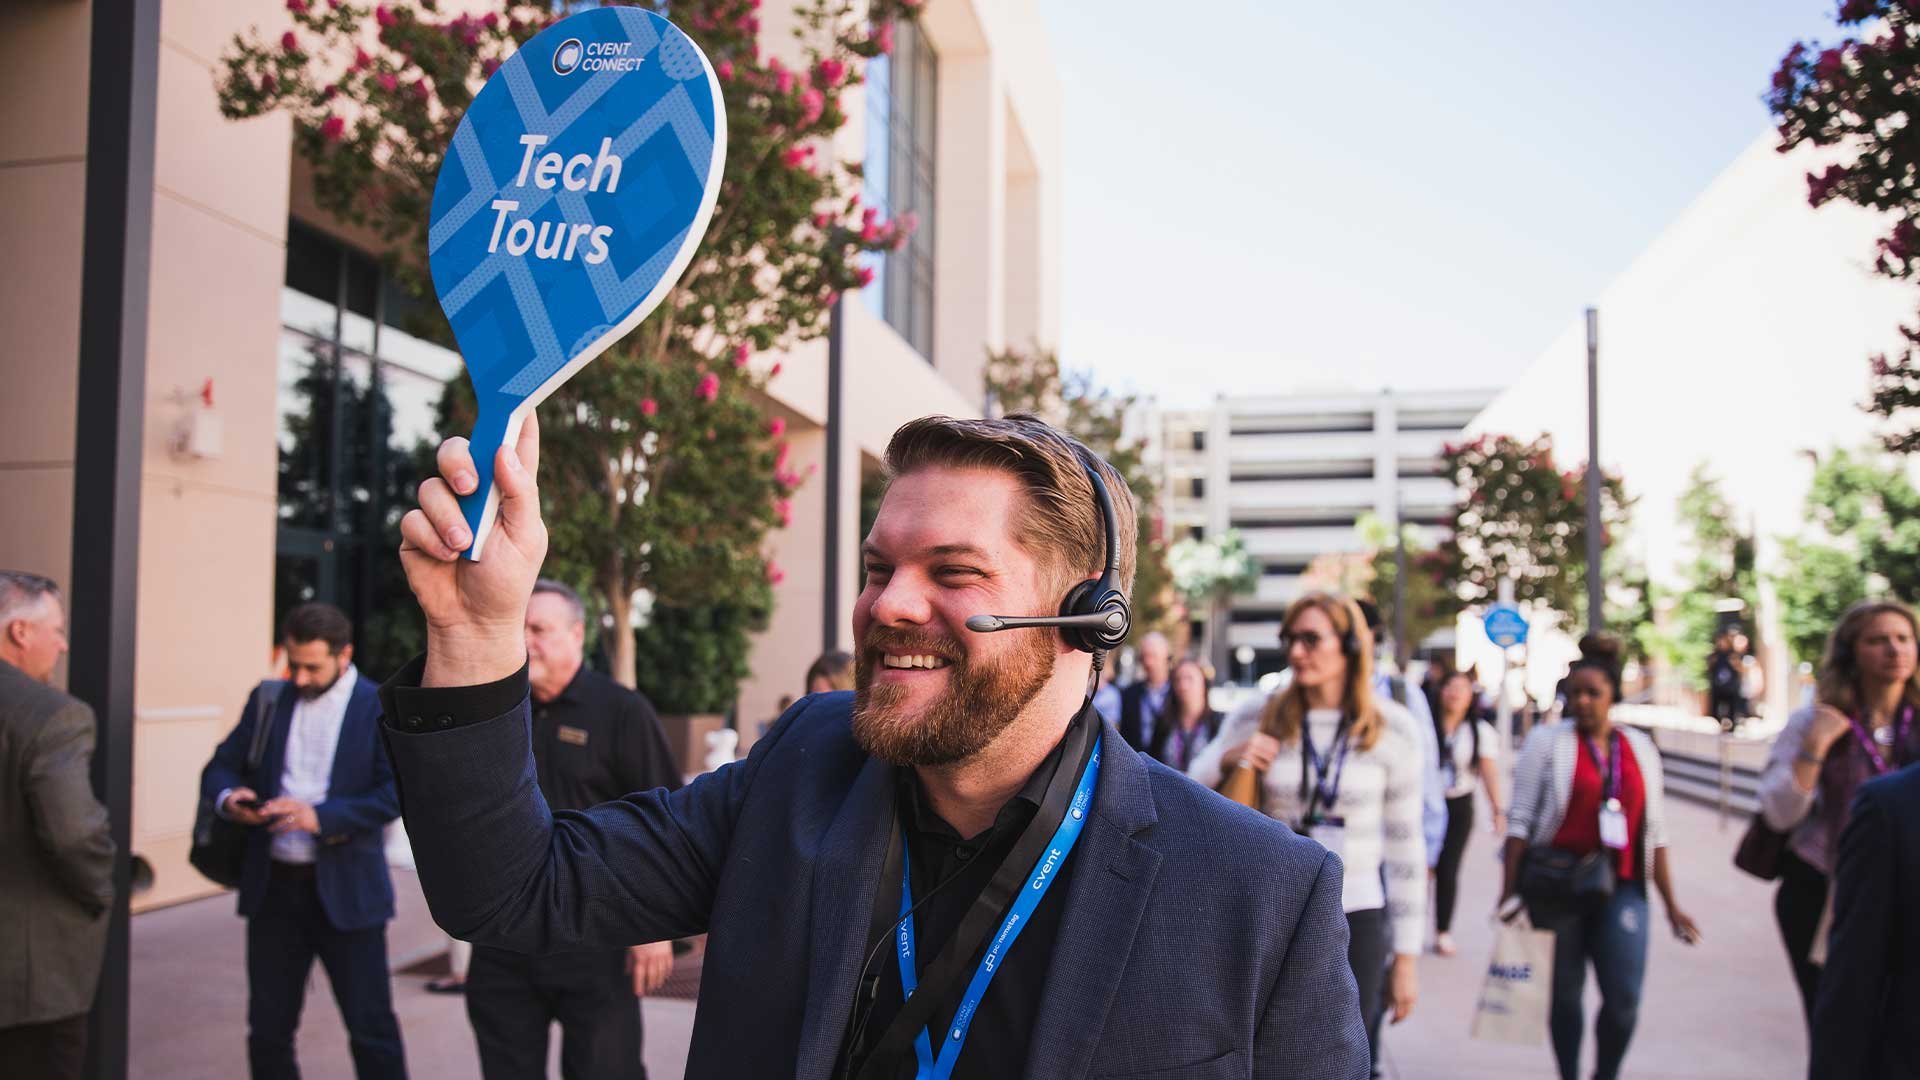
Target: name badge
<point>574,735</point>
<point>1330,833</point>
<point>1613,827</point>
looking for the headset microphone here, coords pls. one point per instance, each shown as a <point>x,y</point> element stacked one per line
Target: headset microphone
<point>1095,616</point>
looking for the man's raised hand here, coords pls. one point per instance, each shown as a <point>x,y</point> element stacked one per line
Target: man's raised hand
<point>476,610</point>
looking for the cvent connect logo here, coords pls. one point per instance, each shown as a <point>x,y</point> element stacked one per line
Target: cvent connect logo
<point>566,58</point>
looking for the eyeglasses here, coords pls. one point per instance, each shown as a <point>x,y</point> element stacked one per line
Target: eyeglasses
<point>1306,639</point>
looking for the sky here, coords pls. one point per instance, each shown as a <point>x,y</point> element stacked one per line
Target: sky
<point>1267,195</point>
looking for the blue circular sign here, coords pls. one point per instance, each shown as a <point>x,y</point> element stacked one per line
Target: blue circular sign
<point>1505,626</point>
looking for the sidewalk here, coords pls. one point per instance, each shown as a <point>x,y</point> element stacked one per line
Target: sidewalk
<point>1724,1008</point>
<point>189,1002</point>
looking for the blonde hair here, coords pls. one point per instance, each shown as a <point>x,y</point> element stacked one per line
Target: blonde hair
<point>1840,667</point>
<point>1286,711</point>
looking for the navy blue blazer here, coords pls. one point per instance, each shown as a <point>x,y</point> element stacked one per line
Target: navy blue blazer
<point>1200,939</point>
<point>1863,1020</point>
<point>350,864</point>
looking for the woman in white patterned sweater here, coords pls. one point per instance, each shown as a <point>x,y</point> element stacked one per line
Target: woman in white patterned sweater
<point>1353,783</point>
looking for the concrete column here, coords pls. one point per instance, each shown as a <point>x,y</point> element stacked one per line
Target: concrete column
<point>970,191</point>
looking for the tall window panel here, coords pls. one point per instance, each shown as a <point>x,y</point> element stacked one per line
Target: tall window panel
<point>901,94</point>
<point>358,418</point>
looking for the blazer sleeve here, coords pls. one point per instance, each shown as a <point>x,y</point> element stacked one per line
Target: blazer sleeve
<point>500,868</point>
<point>69,823</point>
<point>227,768</point>
<point>346,815</point>
<point>1846,1017</point>
<point>1783,802</point>
<point>1315,984</point>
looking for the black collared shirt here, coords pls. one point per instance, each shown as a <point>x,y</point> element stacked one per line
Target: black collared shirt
<point>597,741</point>
<point>1001,1035</point>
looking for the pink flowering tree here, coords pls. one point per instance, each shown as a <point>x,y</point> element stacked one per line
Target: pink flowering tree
<point>663,470</point>
<point>1857,98</point>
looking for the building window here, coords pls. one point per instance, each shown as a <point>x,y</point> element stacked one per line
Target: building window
<point>899,168</point>
<point>359,401</point>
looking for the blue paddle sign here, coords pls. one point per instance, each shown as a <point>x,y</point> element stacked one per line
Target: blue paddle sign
<point>576,189</point>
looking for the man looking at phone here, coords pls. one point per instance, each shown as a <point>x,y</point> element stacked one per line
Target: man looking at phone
<point>315,881</point>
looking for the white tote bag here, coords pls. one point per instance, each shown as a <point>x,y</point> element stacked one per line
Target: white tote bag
<point>1518,992</point>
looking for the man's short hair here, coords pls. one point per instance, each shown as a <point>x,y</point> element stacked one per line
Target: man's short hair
<point>565,592</point>
<point>317,621</point>
<point>20,594</point>
<point>1061,522</point>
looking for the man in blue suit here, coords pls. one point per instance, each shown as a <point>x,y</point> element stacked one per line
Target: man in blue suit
<point>958,848</point>
<point>315,881</point>
<point>1863,1020</point>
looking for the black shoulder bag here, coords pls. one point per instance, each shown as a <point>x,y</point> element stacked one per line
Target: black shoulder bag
<point>220,846</point>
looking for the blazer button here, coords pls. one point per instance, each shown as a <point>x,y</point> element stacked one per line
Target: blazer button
<point>413,722</point>
<point>445,721</point>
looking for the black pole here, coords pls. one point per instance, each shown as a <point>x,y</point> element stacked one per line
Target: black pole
<point>1596,616</point>
<point>836,431</point>
<point>116,251</point>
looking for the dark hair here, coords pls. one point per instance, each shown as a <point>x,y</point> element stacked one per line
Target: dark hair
<point>835,666</point>
<point>317,621</point>
<point>1601,652</point>
<point>1448,673</point>
<point>1371,612</point>
<point>1840,667</point>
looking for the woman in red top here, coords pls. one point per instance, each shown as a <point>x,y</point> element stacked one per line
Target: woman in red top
<point>1586,787</point>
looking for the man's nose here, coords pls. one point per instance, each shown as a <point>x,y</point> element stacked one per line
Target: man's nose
<point>902,602</point>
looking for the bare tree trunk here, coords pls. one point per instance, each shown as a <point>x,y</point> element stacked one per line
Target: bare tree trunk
<point>620,649</point>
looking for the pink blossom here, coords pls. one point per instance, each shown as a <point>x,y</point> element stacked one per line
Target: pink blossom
<point>784,80</point>
<point>775,575</point>
<point>709,387</point>
<point>1829,64</point>
<point>740,354</point>
<point>490,20</point>
<point>795,156</point>
<point>333,5</point>
<point>421,91</point>
<point>829,73</point>
<point>908,222</point>
<point>784,509</point>
<point>780,456</point>
<point>268,83</point>
<point>289,42</point>
<point>812,104</point>
<point>777,427</point>
<point>863,277</point>
<point>383,16</point>
<point>489,66</point>
<point>298,7</point>
<point>883,37</point>
<point>332,91</point>
<point>649,407</point>
<point>361,61</point>
<point>869,215</point>
<point>822,219</point>
<point>853,203</point>
<point>387,81</point>
<point>711,435</point>
<point>775,371</point>
<point>332,128</point>
<point>872,229</point>
<point>725,70</point>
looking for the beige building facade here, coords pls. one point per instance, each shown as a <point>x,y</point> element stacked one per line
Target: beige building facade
<point>281,394</point>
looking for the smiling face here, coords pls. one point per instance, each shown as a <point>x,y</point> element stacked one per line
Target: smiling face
<point>927,691</point>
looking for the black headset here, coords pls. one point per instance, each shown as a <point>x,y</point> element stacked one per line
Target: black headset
<point>1095,616</point>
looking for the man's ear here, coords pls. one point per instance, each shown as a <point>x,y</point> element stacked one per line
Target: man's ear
<point>16,633</point>
<point>345,654</point>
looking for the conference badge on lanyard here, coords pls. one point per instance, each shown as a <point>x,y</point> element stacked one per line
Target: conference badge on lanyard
<point>1613,818</point>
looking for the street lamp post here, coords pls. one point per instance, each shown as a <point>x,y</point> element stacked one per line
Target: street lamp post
<point>1596,619</point>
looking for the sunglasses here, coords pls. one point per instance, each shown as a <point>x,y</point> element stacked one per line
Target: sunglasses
<point>1306,639</point>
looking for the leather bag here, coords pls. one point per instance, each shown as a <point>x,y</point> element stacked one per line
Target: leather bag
<point>219,849</point>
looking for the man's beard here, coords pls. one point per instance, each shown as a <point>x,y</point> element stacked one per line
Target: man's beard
<point>312,692</point>
<point>981,700</point>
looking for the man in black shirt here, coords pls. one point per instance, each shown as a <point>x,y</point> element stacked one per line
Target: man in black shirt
<point>966,763</point>
<point>593,740</point>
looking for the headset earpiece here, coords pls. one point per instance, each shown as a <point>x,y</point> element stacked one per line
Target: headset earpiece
<point>1102,596</point>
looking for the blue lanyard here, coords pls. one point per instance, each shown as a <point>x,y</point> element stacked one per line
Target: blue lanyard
<point>1040,880</point>
<point>1610,778</point>
<point>1324,794</point>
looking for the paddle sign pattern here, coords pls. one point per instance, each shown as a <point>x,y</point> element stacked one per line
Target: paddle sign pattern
<point>576,189</point>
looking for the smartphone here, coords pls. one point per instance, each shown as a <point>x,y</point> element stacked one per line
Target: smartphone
<point>244,803</point>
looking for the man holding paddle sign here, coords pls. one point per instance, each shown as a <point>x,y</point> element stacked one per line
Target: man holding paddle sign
<point>852,872</point>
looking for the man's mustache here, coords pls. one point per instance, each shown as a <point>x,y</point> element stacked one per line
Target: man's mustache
<point>894,639</point>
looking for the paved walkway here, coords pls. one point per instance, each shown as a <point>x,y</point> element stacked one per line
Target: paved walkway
<point>1723,1009</point>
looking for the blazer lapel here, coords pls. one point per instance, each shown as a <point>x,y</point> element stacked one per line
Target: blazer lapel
<point>273,763</point>
<point>1112,880</point>
<point>846,875</point>
<point>362,704</point>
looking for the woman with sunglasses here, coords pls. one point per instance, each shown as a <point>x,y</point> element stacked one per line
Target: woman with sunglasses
<point>1342,765</point>
<point>1587,831</point>
<point>1861,726</point>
